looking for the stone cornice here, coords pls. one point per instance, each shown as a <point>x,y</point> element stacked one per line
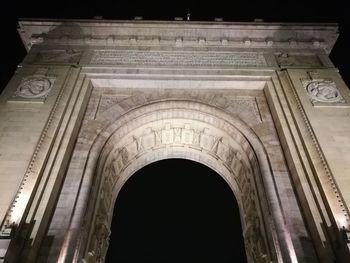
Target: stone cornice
<point>178,33</point>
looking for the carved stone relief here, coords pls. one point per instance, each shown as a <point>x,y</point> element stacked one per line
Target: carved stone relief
<point>178,58</point>
<point>179,136</point>
<point>34,88</point>
<point>101,240</point>
<point>184,136</point>
<point>254,245</point>
<point>323,90</point>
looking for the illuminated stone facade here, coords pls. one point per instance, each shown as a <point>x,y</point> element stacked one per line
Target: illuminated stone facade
<point>94,101</point>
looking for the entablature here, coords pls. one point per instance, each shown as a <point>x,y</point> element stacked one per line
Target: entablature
<point>180,34</point>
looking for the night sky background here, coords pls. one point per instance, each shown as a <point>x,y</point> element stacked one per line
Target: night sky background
<point>174,210</point>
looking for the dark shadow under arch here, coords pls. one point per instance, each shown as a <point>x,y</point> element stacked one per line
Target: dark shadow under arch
<point>176,210</point>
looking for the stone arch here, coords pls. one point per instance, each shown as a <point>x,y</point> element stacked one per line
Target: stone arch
<point>194,131</point>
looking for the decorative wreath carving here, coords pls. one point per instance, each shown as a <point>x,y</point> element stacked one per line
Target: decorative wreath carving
<point>34,87</point>
<point>323,91</point>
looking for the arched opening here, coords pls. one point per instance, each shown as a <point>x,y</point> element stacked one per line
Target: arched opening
<point>192,131</point>
<point>176,210</point>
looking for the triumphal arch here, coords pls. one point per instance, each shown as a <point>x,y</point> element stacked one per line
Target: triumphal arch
<point>94,101</point>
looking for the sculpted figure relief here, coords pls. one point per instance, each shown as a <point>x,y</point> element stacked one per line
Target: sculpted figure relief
<point>255,248</point>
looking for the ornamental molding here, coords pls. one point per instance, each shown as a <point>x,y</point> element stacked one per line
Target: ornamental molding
<point>178,33</point>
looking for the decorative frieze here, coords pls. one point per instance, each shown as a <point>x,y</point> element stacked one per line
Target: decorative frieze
<point>178,58</point>
<point>185,136</point>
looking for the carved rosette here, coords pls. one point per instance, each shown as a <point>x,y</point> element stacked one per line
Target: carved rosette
<point>34,88</point>
<point>323,91</point>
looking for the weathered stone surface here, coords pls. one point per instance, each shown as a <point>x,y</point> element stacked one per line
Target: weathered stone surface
<point>95,102</point>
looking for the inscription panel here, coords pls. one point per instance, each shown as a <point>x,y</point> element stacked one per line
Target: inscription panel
<point>178,58</point>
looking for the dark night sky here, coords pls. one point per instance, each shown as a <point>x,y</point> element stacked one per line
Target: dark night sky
<point>149,230</point>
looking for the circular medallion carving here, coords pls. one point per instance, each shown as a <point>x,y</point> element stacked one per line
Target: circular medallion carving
<point>324,91</point>
<point>36,87</point>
